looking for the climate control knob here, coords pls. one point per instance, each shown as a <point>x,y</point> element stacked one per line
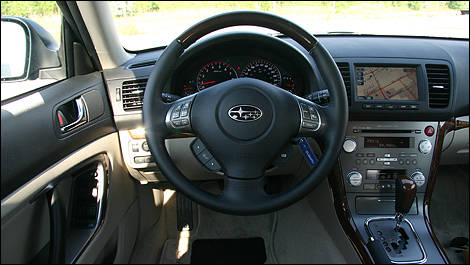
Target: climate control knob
<point>349,145</point>
<point>425,146</point>
<point>355,178</point>
<point>418,178</point>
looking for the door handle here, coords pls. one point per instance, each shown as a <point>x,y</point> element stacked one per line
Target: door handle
<point>81,119</point>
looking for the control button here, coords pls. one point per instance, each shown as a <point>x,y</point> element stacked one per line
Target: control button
<point>413,107</point>
<point>372,161</point>
<point>413,155</point>
<point>401,162</point>
<point>387,155</point>
<point>176,112</point>
<point>184,122</point>
<point>418,178</point>
<point>407,162</point>
<point>197,146</point>
<point>204,156</point>
<point>386,163</point>
<point>403,107</point>
<point>355,178</point>
<point>425,146</point>
<point>148,159</point>
<point>367,106</point>
<point>306,115</point>
<point>390,107</point>
<point>429,131</point>
<point>308,125</point>
<point>418,131</point>
<point>213,165</point>
<point>358,161</point>
<point>414,161</point>
<point>139,159</point>
<point>176,122</point>
<point>370,155</point>
<point>356,130</point>
<point>402,155</point>
<point>184,112</point>
<point>145,146</point>
<point>349,145</point>
<point>369,186</point>
<point>380,233</point>
<point>388,249</point>
<point>365,161</point>
<point>379,106</point>
<point>385,244</point>
<point>313,117</point>
<point>135,147</point>
<point>360,155</point>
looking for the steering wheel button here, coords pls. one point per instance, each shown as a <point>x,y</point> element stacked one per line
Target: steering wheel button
<point>212,165</point>
<point>204,156</point>
<point>184,122</point>
<point>306,115</point>
<point>184,112</point>
<point>308,125</point>
<point>176,122</point>
<point>197,146</point>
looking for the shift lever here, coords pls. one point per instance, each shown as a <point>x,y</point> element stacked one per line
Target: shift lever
<point>405,191</point>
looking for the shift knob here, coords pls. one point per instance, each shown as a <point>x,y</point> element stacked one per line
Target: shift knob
<point>405,191</point>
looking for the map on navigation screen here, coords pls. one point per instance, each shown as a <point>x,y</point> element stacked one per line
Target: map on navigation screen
<point>386,83</point>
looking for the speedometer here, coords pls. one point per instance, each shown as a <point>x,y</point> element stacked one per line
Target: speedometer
<point>263,70</point>
<point>214,73</point>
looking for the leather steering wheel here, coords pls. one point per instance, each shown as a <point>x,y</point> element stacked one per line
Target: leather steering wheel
<point>245,122</point>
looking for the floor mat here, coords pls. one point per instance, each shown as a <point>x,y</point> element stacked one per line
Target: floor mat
<point>231,251</point>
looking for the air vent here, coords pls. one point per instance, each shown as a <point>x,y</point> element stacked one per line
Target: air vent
<point>133,94</point>
<point>346,74</point>
<point>438,84</point>
<point>143,64</point>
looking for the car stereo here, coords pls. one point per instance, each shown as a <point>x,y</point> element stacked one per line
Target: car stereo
<point>375,153</point>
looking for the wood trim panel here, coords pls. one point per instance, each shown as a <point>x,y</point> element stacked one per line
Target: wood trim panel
<point>344,215</point>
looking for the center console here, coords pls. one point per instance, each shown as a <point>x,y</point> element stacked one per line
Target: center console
<point>374,154</point>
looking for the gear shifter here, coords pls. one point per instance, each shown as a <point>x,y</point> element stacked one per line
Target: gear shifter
<point>405,191</point>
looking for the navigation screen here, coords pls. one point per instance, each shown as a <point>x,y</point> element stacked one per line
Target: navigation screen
<point>386,83</point>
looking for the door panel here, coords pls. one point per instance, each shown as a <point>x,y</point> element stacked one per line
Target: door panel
<point>38,158</point>
<point>31,139</point>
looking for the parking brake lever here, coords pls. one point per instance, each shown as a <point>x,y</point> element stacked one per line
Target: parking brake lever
<point>405,192</point>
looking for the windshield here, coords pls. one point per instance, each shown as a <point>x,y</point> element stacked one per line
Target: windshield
<point>143,25</point>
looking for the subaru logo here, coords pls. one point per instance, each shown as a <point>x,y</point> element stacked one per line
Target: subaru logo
<point>244,113</point>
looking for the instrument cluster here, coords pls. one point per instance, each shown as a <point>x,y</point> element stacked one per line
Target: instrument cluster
<point>213,72</point>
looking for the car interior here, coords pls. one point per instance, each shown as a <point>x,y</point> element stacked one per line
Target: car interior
<point>233,146</point>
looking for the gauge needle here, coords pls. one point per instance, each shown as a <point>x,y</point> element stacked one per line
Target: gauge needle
<point>187,88</point>
<point>289,85</point>
<point>206,83</point>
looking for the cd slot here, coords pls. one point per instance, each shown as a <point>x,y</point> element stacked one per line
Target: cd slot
<point>386,131</point>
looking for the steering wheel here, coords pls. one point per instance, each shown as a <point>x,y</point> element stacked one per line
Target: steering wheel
<point>245,122</point>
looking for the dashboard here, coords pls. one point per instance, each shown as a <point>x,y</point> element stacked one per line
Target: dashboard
<point>401,80</point>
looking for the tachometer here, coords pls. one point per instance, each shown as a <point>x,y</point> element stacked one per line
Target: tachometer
<point>214,73</point>
<point>263,70</point>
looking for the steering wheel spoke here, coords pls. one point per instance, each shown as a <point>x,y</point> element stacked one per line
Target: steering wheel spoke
<point>312,118</point>
<point>178,116</point>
